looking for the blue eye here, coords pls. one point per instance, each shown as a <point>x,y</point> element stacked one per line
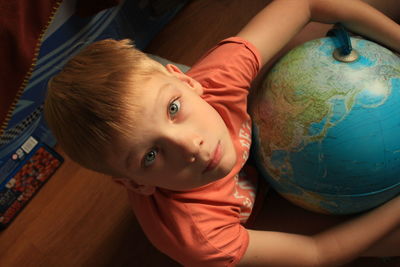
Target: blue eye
<point>150,157</point>
<point>174,107</point>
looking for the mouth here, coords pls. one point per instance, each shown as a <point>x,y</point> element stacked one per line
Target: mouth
<point>215,158</point>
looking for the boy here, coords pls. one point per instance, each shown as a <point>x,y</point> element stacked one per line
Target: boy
<point>178,141</point>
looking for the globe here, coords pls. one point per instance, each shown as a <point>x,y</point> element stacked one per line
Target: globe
<point>327,133</point>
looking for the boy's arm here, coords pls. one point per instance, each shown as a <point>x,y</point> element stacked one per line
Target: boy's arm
<point>330,248</point>
<point>274,26</point>
<point>270,31</point>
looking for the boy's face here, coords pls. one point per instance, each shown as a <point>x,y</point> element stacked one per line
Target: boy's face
<point>183,143</point>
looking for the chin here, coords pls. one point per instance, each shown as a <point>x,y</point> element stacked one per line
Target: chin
<point>224,172</point>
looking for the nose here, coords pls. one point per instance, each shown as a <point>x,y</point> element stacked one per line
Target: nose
<point>188,145</point>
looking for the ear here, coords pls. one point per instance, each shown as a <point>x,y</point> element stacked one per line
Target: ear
<point>146,190</point>
<point>192,83</point>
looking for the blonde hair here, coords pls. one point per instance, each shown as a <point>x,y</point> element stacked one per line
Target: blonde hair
<point>87,101</point>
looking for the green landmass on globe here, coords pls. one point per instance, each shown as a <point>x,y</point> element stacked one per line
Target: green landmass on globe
<point>327,132</point>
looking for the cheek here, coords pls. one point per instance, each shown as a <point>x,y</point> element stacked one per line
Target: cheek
<point>208,114</point>
<point>207,119</point>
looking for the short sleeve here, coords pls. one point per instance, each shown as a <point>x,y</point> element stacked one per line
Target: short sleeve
<point>204,226</point>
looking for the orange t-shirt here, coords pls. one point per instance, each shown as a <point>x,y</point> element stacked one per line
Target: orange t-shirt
<point>204,226</point>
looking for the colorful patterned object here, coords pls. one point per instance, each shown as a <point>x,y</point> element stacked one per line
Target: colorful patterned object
<point>327,133</point>
<point>37,164</point>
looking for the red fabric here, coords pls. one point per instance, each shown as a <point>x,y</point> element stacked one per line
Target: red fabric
<point>21,24</point>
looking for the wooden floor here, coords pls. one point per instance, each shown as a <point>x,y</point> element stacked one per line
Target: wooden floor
<point>81,218</point>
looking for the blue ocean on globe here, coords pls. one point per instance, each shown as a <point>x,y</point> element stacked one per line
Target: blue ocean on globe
<point>327,133</point>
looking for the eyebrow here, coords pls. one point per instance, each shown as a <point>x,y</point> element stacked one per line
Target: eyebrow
<point>161,95</point>
<point>128,160</point>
